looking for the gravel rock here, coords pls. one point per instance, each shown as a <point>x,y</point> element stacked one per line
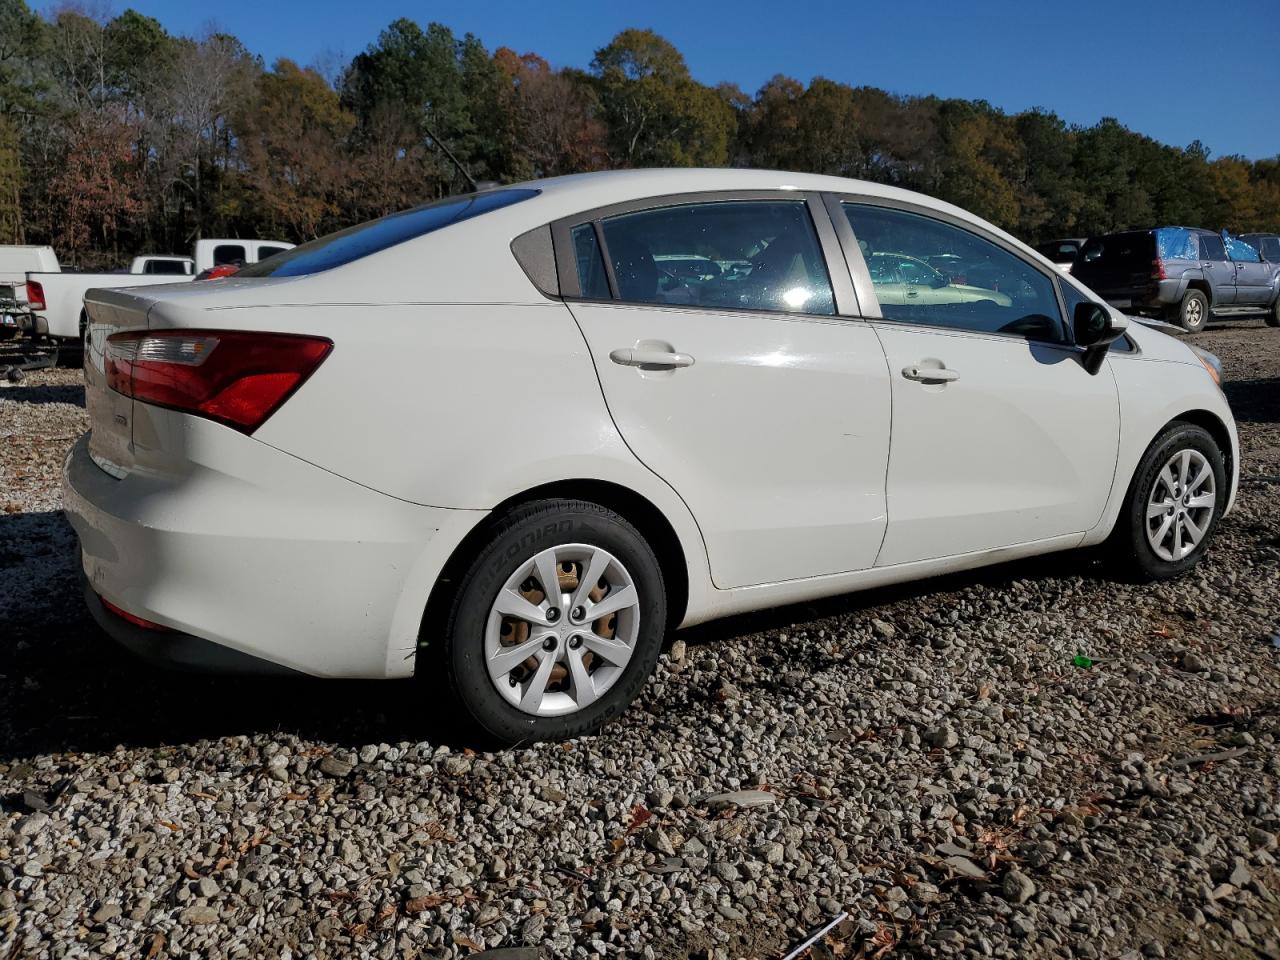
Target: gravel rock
<point>1017,887</point>
<point>740,798</point>
<point>935,764</point>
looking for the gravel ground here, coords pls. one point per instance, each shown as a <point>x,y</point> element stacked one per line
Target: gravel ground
<point>926,758</point>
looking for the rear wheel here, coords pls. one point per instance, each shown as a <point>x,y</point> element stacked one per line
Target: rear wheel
<point>1273,315</point>
<point>1193,314</point>
<point>556,623</point>
<point>1172,506</point>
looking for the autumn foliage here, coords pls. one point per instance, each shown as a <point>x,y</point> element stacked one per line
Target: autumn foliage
<point>117,137</point>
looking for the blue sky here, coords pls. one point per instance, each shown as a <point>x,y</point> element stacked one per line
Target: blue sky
<point>1176,70</point>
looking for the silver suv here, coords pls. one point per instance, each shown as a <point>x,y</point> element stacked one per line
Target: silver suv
<point>1181,274</point>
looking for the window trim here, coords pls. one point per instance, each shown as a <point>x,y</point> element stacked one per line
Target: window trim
<point>845,301</point>
<point>861,275</point>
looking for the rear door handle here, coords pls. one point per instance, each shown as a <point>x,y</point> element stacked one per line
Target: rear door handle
<point>631,357</point>
<point>930,374</point>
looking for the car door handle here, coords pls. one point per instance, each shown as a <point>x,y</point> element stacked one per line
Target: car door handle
<point>631,357</point>
<point>930,374</point>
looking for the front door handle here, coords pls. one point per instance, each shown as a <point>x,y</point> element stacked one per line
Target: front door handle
<point>632,357</point>
<point>930,374</point>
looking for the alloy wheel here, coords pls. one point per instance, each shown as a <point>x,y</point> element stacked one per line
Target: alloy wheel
<point>1181,505</point>
<point>562,629</point>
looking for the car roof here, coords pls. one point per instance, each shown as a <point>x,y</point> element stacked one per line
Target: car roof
<point>585,191</point>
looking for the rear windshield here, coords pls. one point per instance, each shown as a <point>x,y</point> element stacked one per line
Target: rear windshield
<point>1120,249</point>
<point>376,235</point>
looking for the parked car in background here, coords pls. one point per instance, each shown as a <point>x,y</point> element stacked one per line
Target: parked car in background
<point>1182,274</point>
<point>15,261</point>
<point>57,299</point>
<point>1062,253</point>
<point>660,448</point>
<point>1267,245</point>
<point>166,265</point>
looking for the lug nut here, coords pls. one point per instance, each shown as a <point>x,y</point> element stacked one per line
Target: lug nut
<point>549,643</point>
<point>553,614</point>
<point>575,642</point>
<point>579,613</point>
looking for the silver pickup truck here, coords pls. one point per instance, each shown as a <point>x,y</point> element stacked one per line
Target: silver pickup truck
<point>1181,274</point>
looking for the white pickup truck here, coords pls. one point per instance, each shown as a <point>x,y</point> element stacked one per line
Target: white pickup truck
<point>56,299</point>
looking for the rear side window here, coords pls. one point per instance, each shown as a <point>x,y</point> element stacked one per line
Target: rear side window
<point>264,252</point>
<point>228,253</point>
<point>368,238</point>
<point>1211,247</point>
<point>733,254</point>
<point>987,289</point>
<point>592,279</point>
<point>1271,249</point>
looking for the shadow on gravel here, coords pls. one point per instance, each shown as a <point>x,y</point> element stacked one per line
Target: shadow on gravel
<point>45,393</point>
<point>1254,401</point>
<point>67,687</point>
<point>1065,564</point>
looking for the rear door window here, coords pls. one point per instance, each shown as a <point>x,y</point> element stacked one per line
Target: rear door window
<point>1212,247</point>
<point>375,236</point>
<point>731,254</point>
<point>1271,249</point>
<point>266,251</point>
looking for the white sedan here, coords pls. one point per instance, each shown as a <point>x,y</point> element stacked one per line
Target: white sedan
<point>494,440</point>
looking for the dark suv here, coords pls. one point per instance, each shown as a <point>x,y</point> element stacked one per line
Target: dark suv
<point>1181,274</point>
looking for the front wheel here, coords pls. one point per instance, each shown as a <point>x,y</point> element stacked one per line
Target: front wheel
<point>556,623</point>
<point>1273,315</point>
<point>1173,505</point>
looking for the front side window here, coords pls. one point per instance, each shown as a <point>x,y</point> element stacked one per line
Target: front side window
<point>1242,252</point>
<point>733,254</point>
<point>976,285</point>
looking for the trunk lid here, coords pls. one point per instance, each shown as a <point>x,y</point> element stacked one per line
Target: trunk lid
<point>110,412</point>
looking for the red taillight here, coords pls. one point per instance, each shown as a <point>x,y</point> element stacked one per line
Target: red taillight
<point>35,295</point>
<point>136,621</point>
<point>221,270</point>
<point>235,377</point>
<point>1157,270</point>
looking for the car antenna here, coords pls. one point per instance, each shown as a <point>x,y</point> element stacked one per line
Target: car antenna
<point>454,160</point>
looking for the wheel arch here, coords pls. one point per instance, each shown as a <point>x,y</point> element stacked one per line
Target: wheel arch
<point>637,509</point>
<point>1201,284</point>
<point>1214,426</point>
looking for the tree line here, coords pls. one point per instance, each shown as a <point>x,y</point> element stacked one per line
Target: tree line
<point>117,137</point>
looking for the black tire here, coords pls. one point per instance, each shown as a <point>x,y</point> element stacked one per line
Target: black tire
<point>1128,547</point>
<point>1193,312</point>
<point>512,540</point>
<point>1273,315</point>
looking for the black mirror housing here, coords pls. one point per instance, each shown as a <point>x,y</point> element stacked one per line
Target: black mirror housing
<point>1092,328</point>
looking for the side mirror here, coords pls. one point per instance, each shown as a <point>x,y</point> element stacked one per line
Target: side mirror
<point>1096,327</point>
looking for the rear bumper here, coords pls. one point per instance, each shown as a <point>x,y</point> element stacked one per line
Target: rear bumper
<point>179,651</point>
<point>1157,297</point>
<point>263,554</point>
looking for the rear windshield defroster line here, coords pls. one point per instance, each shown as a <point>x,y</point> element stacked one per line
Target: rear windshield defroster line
<point>366,238</point>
